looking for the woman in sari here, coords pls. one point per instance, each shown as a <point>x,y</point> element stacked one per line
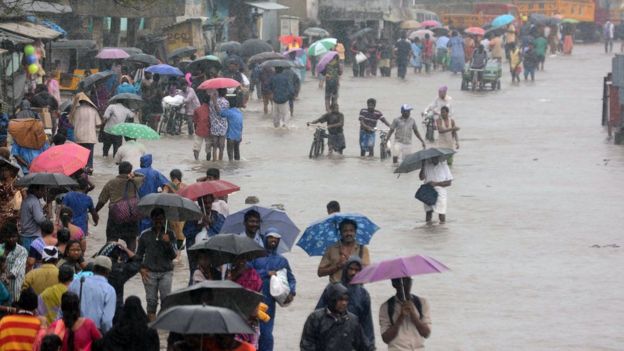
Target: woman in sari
<point>416,59</point>
<point>456,47</point>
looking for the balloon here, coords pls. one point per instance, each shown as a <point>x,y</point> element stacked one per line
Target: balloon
<point>31,59</point>
<point>33,68</point>
<point>29,50</point>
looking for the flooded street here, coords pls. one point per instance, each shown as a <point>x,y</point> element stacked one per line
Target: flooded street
<point>536,189</point>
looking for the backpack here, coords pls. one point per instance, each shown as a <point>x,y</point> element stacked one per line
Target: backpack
<point>391,301</point>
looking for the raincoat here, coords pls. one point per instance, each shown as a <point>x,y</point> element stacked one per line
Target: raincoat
<point>359,300</point>
<point>456,45</point>
<point>152,181</point>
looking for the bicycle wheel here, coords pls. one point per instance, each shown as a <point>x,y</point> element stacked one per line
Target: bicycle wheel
<point>312,148</point>
<point>382,149</point>
<point>322,144</point>
<point>163,122</point>
<point>429,135</point>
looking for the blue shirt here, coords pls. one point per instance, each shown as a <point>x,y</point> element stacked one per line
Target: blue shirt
<point>235,123</point>
<point>98,301</point>
<point>281,87</point>
<point>192,228</point>
<point>4,126</point>
<point>442,42</point>
<point>273,262</point>
<point>80,205</point>
<point>126,88</point>
<point>27,154</point>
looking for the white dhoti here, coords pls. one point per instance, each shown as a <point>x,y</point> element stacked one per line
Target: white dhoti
<point>401,150</point>
<point>440,205</point>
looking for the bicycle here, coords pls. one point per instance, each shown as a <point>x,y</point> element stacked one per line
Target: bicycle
<point>318,143</point>
<point>384,150</point>
<point>429,122</point>
<point>172,120</point>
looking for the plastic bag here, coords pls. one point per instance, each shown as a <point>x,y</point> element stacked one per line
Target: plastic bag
<point>201,236</point>
<point>279,287</point>
<point>360,57</point>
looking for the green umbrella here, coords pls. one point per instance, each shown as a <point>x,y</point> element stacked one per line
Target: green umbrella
<point>322,46</point>
<point>569,20</point>
<point>134,131</point>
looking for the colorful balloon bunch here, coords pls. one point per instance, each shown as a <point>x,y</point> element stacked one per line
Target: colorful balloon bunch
<point>31,59</point>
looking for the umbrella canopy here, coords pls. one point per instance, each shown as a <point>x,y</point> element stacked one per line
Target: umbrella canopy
<point>229,46</point>
<point>570,20</point>
<point>494,31</point>
<point>322,46</point>
<point>218,83</point>
<point>164,70</point>
<point>252,47</point>
<point>226,248</point>
<point>320,66</point>
<point>316,32</point>
<point>215,188</point>
<point>112,54</point>
<point>182,52</point>
<point>325,232</point>
<point>398,268</point>
<point>409,24</point>
<point>177,208</point>
<point>475,31</point>
<point>270,218</point>
<point>134,131</point>
<point>54,180</point>
<point>361,33</point>
<point>201,319</point>
<point>125,96</point>
<point>430,23</point>
<point>66,159</point>
<point>205,62</point>
<point>414,161</point>
<point>278,63</point>
<point>264,56</point>
<point>440,31</point>
<point>143,58</point>
<point>420,34</point>
<point>219,293</point>
<point>291,40</point>
<point>4,162</point>
<point>87,82</point>
<point>502,20</point>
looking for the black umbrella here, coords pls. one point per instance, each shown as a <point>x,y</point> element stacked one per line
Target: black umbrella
<point>316,32</point>
<point>201,319</point>
<point>265,56</point>
<point>205,63</point>
<point>439,31</point>
<point>225,248</point>
<point>126,97</point>
<point>177,208</point>
<point>254,46</point>
<point>5,162</point>
<point>220,293</point>
<point>231,46</point>
<point>361,32</point>
<point>182,52</point>
<point>497,31</point>
<point>278,63</point>
<point>143,58</point>
<point>87,82</point>
<point>54,180</point>
<point>414,161</point>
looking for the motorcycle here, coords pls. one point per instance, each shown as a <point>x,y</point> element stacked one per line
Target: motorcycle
<point>172,119</point>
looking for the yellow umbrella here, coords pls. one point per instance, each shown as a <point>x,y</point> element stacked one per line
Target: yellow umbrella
<point>410,24</point>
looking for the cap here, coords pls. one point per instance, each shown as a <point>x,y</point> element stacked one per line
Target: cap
<point>273,234</point>
<point>104,262</point>
<point>406,107</point>
<point>49,253</point>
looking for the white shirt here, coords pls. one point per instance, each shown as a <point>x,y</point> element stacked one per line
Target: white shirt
<point>257,238</point>
<point>131,151</point>
<point>437,104</point>
<point>408,338</point>
<point>222,207</point>
<point>115,114</point>
<point>437,173</point>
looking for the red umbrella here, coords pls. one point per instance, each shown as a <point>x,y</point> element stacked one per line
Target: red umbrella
<point>215,188</point>
<point>475,31</point>
<point>430,23</point>
<point>66,159</point>
<point>218,83</point>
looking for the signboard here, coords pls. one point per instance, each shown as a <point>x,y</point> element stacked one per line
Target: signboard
<point>133,9</point>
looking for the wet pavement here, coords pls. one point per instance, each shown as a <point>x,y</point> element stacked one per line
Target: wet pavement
<point>533,210</point>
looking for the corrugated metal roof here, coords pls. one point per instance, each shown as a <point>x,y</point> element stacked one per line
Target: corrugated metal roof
<point>30,30</point>
<point>45,7</point>
<point>14,38</point>
<point>265,5</point>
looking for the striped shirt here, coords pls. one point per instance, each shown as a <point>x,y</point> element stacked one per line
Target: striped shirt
<point>18,332</point>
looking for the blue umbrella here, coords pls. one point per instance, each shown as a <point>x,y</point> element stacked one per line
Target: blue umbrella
<point>271,218</point>
<point>324,233</point>
<point>502,20</point>
<point>164,70</point>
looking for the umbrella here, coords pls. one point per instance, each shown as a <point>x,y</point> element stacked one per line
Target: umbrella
<point>182,52</point>
<point>538,18</point>
<point>494,31</point>
<point>216,188</point>
<point>361,32</point>
<point>278,63</point>
<point>231,46</point>
<point>201,319</point>
<point>182,65</point>
<point>270,218</point>
<point>112,54</point>
<point>288,40</point>
<point>164,70</point>
<point>252,47</point>
<point>475,31</point>
<point>570,20</point>
<point>413,161</point>
<point>4,161</point>
<point>316,32</point>
<point>205,62</point>
<point>430,23</point>
<point>297,51</point>
<point>143,58</point>
<point>322,46</point>
<point>439,31</point>
<point>320,66</point>
<point>502,20</point>
<point>420,34</point>
<point>66,159</point>
<point>125,96</point>
<point>265,56</point>
<point>46,179</point>
<point>409,24</point>
<point>226,248</point>
<point>218,83</point>
<point>398,268</point>
<point>134,131</point>
<point>219,293</point>
<point>177,208</point>
<point>94,78</point>
<point>325,232</point>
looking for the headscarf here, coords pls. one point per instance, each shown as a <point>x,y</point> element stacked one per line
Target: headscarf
<point>78,98</point>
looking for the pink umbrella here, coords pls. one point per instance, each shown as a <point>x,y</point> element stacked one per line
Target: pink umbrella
<point>475,31</point>
<point>399,268</point>
<point>112,54</point>
<point>66,159</point>
<point>320,66</point>
<point>218,83</point>
<point>430,23</point>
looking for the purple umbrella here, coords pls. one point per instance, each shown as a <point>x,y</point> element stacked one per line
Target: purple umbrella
<point>320,66</point>
<point>112,54</point>
<point>399,268</point>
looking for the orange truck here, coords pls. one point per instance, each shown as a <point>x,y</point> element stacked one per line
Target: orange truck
<point>580,10</point>
<point>476,15</point>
